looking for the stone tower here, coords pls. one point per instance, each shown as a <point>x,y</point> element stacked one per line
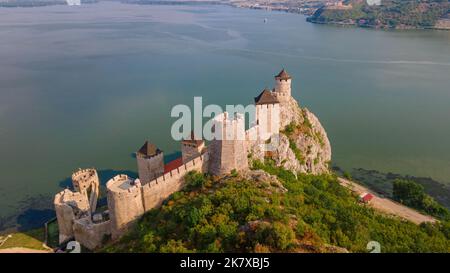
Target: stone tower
<point>267,114</point>
<point>86,182</point>
<point>68,207</point>
<point>150,162</point>
<point>228,151</point>
<point>124,203</point>
<point>283,86</point>
<point>191,148</point>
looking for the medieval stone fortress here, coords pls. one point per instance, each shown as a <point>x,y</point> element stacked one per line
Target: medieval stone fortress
<point>129,198</point>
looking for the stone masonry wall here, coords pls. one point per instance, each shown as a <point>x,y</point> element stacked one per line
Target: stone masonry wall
<point>89,234</point>
<point>85,180</point>
<point>190,151</point>
<point>150,168</point>
<point>228,151</point>
<point>69,206</point>
<point>155,192</point>
<point>125,206</point>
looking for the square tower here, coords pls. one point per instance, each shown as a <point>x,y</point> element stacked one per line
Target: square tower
<point>228,150</point>
<point>191,148</point>
<point>150,161</point>
<point>267,114</point>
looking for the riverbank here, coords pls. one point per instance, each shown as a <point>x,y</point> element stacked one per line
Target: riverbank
<point>386,205</point>
<point>442,24</point>
<point>400,15</point>
<point>24,242</point>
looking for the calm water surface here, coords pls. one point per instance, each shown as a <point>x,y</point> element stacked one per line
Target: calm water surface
<point>85,86</point>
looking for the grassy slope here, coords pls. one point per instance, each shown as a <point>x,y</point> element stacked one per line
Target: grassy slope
<point>30,239</point>
<point>237,215</point>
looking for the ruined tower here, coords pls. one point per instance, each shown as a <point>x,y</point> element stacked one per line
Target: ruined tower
<point>267,114</point>
<point>68,207</point>
<point>86,182</point>
<point>150,162</point>
<point>228,151</point>
<point>283,86</point>
<point>191,148</point>
<point>124,203</point>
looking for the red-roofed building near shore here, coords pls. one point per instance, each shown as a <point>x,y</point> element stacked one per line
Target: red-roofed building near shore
<point>365,198</point>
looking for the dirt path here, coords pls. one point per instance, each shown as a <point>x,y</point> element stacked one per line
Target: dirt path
<point>22,250</point>
<point>386,205</point>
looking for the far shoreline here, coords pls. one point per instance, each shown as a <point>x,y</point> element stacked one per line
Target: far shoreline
<point>445,24</point>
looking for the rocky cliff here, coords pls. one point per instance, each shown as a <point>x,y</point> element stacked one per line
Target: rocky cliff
<point>303,144</point>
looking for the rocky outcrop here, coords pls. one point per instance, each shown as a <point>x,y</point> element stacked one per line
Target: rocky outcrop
<point>303,145</point>
<point>290,112</point>
<point>270,182</point>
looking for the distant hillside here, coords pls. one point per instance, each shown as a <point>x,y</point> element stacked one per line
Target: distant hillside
<point>396,14</point>
<point>269,209</point>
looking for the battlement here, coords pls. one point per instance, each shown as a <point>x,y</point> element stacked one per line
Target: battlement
<point>84,174</point>
<point>228,150</point>
<point>85,180</point>
<point>124,203</point>
<point>196,163</point>
<point>122,184</point>
<point>228,127</point>
<point>73,199</point>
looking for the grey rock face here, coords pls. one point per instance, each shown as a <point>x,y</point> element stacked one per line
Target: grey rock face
<point>303,149</point>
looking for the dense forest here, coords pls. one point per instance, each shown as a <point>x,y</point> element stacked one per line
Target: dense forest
<point>390,14</point>
<point>270,209</point>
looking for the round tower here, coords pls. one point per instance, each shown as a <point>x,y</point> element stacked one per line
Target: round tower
<point>283,86</point>
<point>86,181</point>
<point>124,203</point>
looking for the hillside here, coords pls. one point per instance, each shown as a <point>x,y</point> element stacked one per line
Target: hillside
<point>269,209</point>
<point>396,14</point>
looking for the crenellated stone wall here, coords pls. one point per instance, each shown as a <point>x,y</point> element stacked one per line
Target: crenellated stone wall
<point>155,192</point>
<point>128,199</point>
<point>90,234</point>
